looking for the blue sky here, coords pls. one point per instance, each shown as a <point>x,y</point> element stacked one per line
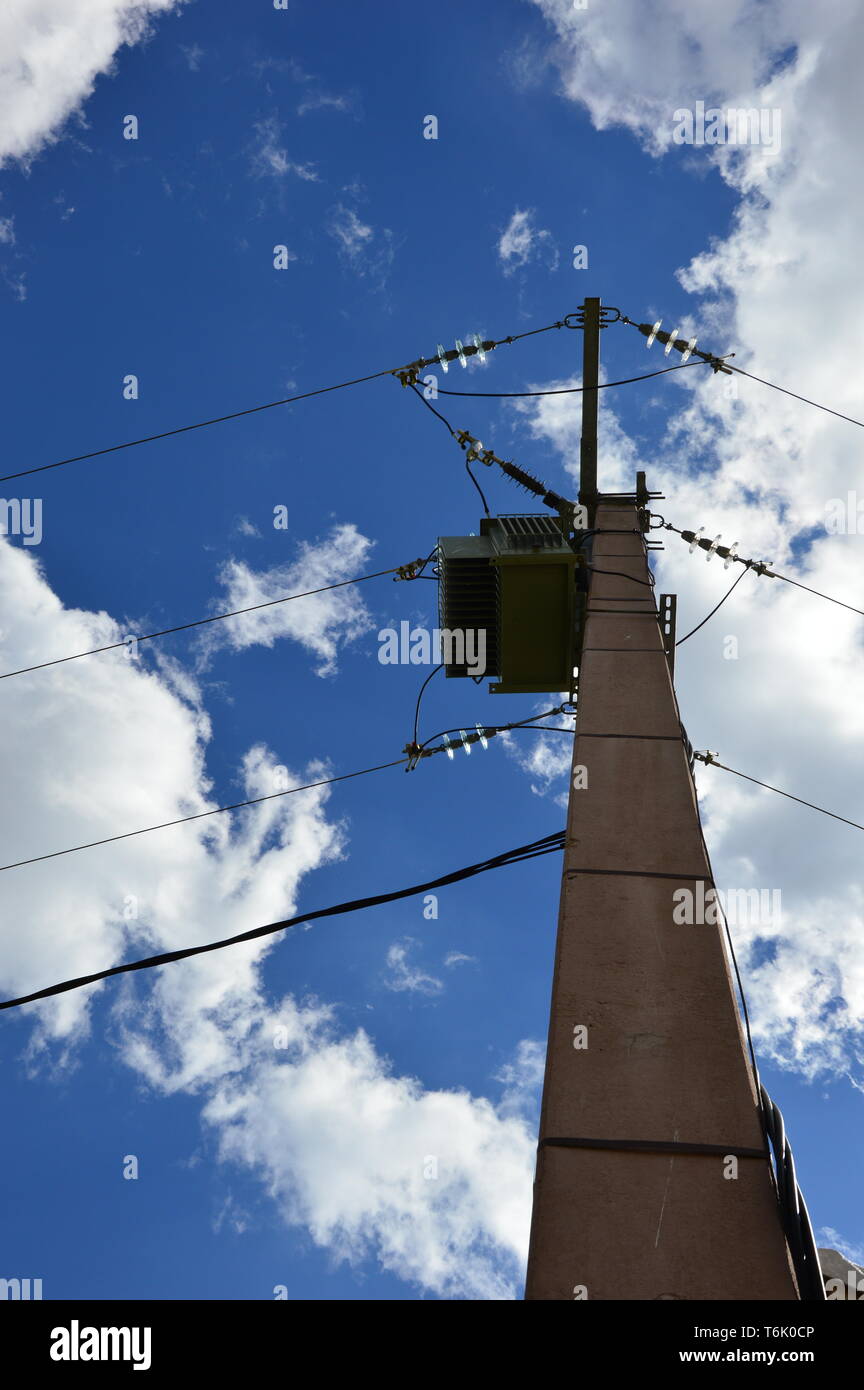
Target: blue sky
<point>154,257</point>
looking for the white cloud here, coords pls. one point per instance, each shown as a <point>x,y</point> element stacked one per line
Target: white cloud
<point>319,101</point>
<point>853,1253</point>
<point>403,976</point>
<point>319,622</point>
<point>458,958</point>
<point>342,1142</point>
<point>7,231</point>
<point>435,1184</point>
<point>367,252</point>
<point>52,56</point>
<point>193,53</point>
<point>522,1079</point>
<point>783,289</point>
<point>269,158</point>
<point>522,242</point>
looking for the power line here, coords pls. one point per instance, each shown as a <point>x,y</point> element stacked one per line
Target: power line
<point>548,845</point>
<point>774,387</point>
<point>839,602</point>
<point>793,1209</point>
<point>405,374</point>
<point>257,800</point>
<point>420,695</point>
<point>758,566</point>
<point>216,618</point>
<point>199,425</point>
<point>200,815</point>
<point>713,610</point>
<point>721,364</point>
<point>710,761</point>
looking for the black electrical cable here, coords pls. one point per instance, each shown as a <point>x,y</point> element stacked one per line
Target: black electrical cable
<point>201,815</point>
<point>794,1216</point>
<point>715,362</point>
<point>758,567</point>
<point>619,574</point>
<point>549,844</point>
<point>420,696</point>
<point>714,763</point>
<point>794,394</point>
<point>571,390</point>
<point>199,425</point>
<point>713,610</point>
<point>839,602</point>
<point>440,417</point>
<point>201,622</point>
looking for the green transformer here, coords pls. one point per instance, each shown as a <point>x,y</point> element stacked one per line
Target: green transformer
<point>511,602</point>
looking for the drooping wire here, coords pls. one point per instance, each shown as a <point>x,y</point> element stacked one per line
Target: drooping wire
<point>420,697</point>
<point>571,390</point>
<point>549,844</point>
<point>440,417</point>
<point>713,610</point>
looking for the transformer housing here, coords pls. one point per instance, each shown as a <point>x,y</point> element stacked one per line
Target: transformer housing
<point>516,583</point>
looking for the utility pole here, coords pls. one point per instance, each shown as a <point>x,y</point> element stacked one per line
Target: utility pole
<point>590,316</point>
<point>653,1179</point>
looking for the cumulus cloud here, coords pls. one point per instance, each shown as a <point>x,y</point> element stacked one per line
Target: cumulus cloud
<point>320,622</point>
<point>52,56</point>
<point>522,242</point>
<point>434,1184</point>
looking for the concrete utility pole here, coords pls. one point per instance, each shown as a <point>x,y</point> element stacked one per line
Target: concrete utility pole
<point>653,1180</point>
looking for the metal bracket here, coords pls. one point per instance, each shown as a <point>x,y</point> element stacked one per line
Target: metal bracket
<point>667,615</point>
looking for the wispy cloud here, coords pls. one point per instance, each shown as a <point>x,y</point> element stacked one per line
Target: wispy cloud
<point>366,251</point>
<point>458,958</point>
<point>320,622</point>
<point>522,242</point>
<point>403,976</point>
<point>320,101</point>
<point>270,159</point>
